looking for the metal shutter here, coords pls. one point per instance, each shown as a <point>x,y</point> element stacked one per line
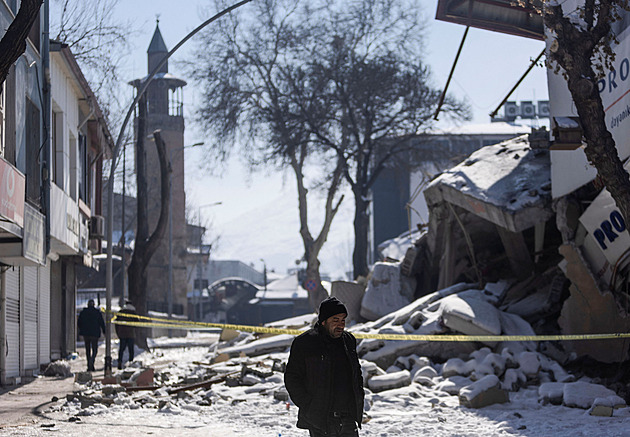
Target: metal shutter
<point>31,331</point>
<point>12,340</point>
<point>44,313</point>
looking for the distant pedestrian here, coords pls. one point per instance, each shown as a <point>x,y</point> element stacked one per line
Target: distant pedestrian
<point>90,325</point>
<point>323,375</point>
<point>126,333</point>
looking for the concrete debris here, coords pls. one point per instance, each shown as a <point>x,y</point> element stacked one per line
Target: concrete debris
<point>486,391</point>
<point>387,291</point>
<point>83,377</point>
<point>58,368</point>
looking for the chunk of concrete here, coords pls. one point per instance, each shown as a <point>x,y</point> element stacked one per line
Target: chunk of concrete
<point>590,310</point>
<point>470,316</point>
<point>351,294</point>
<point>551,393</point>
<point>389,381</point>
<point>384,292</point>
<point>143,378</point>
<point>82,377</point>
<point>58,368</point>
<point>583,394</point>
<point>486,391</point>
<point>601,410</point>
<point>427,371</point>
<point>606,406</point>
<point>453,384</point>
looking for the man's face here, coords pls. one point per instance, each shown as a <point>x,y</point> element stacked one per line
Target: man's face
<point>334,325</point>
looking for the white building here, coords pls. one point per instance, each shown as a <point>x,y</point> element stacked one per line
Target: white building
<point>52,144</point>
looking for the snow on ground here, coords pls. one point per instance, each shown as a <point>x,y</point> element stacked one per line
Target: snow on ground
<point>251,410</point>
<point>408,395</point>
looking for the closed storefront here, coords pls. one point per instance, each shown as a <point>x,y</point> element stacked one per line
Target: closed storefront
<point>44,313</point>
<point>12,324</point>
<point>30,332</point>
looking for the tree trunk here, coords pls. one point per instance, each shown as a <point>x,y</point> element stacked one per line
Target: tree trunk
<point>573,51</point>
<point>361,228</point>
<point>13,43</point>
<point>145,246</point>
<point>312,247</point>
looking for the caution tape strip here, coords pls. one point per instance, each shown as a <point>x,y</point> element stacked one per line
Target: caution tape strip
<point>187,324</point>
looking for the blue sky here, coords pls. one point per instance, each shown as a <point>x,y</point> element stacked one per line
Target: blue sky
<point>489,66</point>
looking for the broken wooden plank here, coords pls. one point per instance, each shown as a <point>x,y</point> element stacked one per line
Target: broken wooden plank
<point>204,384</point>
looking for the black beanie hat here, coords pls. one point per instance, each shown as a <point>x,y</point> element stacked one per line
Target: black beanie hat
<point>330,307</point>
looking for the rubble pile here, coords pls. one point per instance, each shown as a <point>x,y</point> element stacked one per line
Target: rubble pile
<point>250,365</point>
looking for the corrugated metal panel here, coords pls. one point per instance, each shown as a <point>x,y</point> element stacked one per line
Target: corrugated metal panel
<point>44,314</point>
<point>12,339</point>
<point>12,281</point>
<point>31,332</point>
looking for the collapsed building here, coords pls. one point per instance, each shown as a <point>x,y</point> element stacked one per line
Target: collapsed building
<point>492,218</point>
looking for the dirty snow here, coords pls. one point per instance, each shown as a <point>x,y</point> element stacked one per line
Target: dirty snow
<point>239,411</point>
<point>408,392</point>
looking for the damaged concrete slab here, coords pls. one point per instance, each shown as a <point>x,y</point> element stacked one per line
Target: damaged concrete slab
<point>591,310</point>
<point>508,184</point>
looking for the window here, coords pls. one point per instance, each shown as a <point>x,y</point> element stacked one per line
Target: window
<point>200,284</point>
<point>2,122</point>
<point>33,144</point>
<point>55,142</point>
<point>83,169</point>
<point>33,35</point>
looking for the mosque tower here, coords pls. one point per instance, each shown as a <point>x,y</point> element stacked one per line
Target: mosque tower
<point>165,112</point>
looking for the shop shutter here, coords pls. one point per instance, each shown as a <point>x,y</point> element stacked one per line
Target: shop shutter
<point>31,331</point>
<point>12,322</point>
<point>44,313</point>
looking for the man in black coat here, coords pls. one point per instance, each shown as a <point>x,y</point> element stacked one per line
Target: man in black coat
<point>90,325</point>
<point>126,333</point>
<point>323,375</point>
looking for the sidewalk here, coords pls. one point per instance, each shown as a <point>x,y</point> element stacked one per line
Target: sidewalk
<point>20,405</point>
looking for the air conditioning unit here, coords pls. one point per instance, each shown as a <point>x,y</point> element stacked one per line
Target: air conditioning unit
<point>97,226</point>
<point>543,108</point>
<point>528,109</point>
<point>511,111</point>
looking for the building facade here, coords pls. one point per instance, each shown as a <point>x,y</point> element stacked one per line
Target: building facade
<point>52,144</point>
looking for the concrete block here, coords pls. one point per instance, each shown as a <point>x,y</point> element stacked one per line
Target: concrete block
<point>486,391</point>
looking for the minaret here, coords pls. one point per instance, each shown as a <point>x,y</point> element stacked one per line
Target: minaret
<point>165,112</point>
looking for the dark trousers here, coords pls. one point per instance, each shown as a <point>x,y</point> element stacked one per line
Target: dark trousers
<point>128,344</point>
<point>338,427</point>
<point>91,348</point>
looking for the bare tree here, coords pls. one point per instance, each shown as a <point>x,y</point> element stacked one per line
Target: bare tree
<point>582,48</point>
<point>13,43</point>
<point>248,70</point>
<point>99,42</point>
<point>339,82</point>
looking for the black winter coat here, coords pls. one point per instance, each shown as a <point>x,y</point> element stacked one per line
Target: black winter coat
<point>91,322</point>
<point>126,331</point>
<point>308,378</point>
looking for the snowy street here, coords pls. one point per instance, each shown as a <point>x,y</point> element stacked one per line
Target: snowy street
<point>413,410</point>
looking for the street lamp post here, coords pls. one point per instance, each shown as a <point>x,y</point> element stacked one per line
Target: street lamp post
<point>264,273</point>
<point>197,312</point>
<point>170,229</point>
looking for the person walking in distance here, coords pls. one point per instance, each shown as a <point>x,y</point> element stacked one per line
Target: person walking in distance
<point>90,325</point>
<point>126,333</point>
<point>323,375</point>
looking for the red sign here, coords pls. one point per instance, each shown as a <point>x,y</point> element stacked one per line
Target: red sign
<point>310,285</point>
<point>12,188</point>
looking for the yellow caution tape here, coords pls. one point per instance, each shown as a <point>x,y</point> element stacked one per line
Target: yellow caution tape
<point>187,324</point>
